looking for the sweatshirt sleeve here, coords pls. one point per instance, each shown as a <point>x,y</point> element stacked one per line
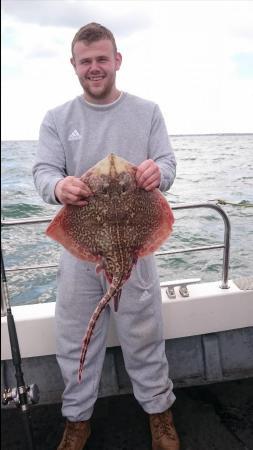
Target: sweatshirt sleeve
<point>160,150</point>
<point>50,162</point>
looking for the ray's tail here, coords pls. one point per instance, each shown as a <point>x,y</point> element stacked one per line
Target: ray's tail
<point>112,291</point>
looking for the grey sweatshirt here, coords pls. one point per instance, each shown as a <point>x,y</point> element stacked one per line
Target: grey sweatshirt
<point>76,135</point>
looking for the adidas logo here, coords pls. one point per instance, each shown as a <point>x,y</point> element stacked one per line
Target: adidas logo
<point>74,136</point>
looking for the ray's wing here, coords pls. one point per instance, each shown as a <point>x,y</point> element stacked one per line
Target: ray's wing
<point>160,221</point>
<point>63,229</point>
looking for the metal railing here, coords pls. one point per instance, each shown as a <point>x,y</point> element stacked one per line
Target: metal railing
<point>225,245</point>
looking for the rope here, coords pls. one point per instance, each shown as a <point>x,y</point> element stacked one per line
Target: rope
<point>243,203</point>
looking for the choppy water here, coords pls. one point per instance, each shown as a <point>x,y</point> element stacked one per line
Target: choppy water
<point>209,168</point>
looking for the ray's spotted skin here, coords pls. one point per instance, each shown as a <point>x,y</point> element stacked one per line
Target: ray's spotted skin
<point>120,223</point>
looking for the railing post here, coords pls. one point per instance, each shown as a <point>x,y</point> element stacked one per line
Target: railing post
<point>227,233</point>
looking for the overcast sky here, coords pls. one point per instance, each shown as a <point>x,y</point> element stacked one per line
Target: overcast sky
<point>193,58</point>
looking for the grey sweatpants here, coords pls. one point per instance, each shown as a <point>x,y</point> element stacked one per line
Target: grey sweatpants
<point>140,332</point>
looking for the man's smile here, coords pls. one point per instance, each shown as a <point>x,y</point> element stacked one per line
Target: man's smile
<point>96,77</point>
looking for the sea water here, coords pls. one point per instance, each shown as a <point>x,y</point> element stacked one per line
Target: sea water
<point>210,168</point>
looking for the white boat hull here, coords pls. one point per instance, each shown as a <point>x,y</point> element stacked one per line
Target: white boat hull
<point>209,338</point>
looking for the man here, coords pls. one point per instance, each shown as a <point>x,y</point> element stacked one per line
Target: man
<point>73,137</point>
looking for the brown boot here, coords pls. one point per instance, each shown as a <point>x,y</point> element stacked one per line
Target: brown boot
<point>164,435</point>
<point>75,435</point>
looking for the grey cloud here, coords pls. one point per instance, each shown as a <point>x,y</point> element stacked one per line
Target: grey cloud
<point>74,14</point>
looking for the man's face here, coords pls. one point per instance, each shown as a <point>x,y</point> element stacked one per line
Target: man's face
<point>96,65</point>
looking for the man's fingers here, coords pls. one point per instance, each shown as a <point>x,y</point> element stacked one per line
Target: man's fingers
<point>141,170</point>
<point>78,187</point>
<point>81,203</point>
<point>148,175</point>
<point>80,191</point>
<point>71,197</point>
<point>151,186</point>
<point>71,190</point>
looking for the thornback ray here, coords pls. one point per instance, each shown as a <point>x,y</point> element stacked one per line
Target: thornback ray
<point>121,223</point>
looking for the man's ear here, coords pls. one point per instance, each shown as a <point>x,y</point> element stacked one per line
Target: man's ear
<point>72,60</point>
<point>118,59</point>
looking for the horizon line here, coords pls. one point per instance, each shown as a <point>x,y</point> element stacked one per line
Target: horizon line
<point>170,135</point>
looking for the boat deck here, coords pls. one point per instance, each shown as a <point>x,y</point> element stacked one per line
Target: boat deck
<point>211,417</point>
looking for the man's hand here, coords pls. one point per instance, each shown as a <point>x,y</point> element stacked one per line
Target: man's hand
<point>148,175</point>
<point>72,191</point>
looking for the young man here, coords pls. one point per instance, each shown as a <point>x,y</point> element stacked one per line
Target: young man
<point>73,137</point>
